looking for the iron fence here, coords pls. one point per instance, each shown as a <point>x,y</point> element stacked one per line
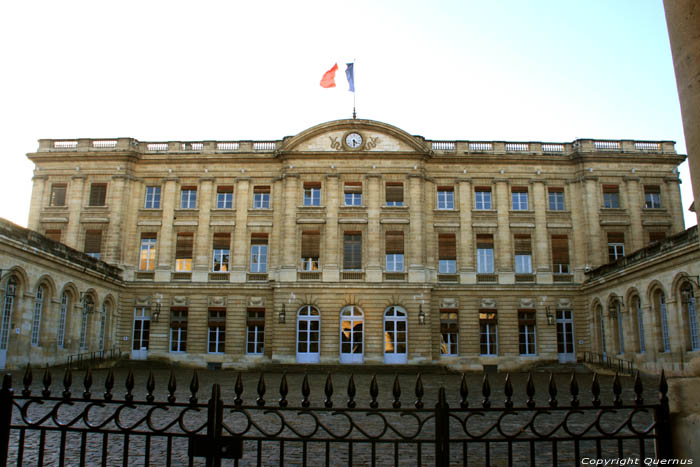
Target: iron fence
<point>60,427</point>
<point>613,363</point>
<point>86,360</point>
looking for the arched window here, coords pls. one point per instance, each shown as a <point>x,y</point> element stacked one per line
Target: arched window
<point>36,318</point>
<point>88,307</point>
<point>660,304</point>
<point>308,335</point>
<point>61,332</point>
<point>639,323</point>
<point>351,335</point>
<point>615,311</point>
<point>103,326</point>
<point>601,318</point>
<point>395,335</point>
<point>690,314</point>
<point>7,308</point>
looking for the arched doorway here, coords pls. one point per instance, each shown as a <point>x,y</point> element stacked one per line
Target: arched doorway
<point>395,335</point>
<point>351,335</point>
<point>8,305</point>
<point>308,335</point>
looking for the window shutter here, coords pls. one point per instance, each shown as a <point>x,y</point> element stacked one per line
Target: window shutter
<point>258,238</point>
<point>523,246</point>
<point>224,189</point>
<point>183,246</point>
<point>217,317</point>
<point>484,241</point>
<point>310,244</point>
<point>611,189</point>
<point>394,192</point>
<point>353,187</point>
<point>651,189</point>
<point>394,243</point>
<point>352,251</point>
<point>447,246</point>
<point>58,195</point>
<point>256,316</point>
<point>178,318</point>
<point>519,189</point>
<point>616,237</point>
<point>526,317</point>
<point>54,235</point>
<point>261,189</point>
<point>98,194</point>
<point>93,241</point>
<point>560,249</point>
<point>222,241</point>
<point>312,184</point>
<point>653,236</point>
<point>556,190</point>
<point>148,235</point>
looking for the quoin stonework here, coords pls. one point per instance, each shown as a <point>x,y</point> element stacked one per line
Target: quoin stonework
<point>353,242</point>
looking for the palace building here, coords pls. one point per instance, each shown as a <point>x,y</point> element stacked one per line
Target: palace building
<point>352,242</point>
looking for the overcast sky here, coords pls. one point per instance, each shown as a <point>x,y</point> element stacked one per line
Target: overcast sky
<point>474,70</point>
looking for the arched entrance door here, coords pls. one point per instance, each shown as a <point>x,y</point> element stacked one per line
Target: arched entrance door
<point>308,335</point>
<point>142,333</point>
<point>351,335</point>
<point>395,335</point>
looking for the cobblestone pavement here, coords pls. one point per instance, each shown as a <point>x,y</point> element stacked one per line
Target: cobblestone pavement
<point>157,450</point>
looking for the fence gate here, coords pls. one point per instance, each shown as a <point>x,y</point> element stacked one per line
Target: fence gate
<point>71,426</point>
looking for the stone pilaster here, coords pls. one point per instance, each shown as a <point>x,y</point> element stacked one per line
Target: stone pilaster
<point>430,247</point>
<point>329,255</point>
<point>594,245</point>
<point>290,256</point>
<point>577,241</point>
<point>203,239</point>
<point>465,244</point>
<point>112,245</point>
<point>166,242</point>
<point>373,270</point>
<point>634,208</point>
<point>241,252</point>
<point>542,260</point>
<point>416,264</point>
<point>75,205</point>
<point>504,249</point>
<point>675,207</point>
<point>37,202</point>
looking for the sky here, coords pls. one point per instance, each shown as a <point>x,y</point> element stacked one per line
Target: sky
<point>506,70</point>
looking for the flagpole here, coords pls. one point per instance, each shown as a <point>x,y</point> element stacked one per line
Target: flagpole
<point>354,114</point>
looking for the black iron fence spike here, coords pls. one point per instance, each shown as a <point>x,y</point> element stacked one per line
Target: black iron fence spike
<point>46,380</point>
<point>305,391</point>
<point>109,384</point>
<point>508,391</point>
<point>486,391</point>
<point>87,383</point>
<point>238,389</point>
<point>617,390</point>
<point>552,391</point>
<point>7,382</point>
<point>67,383</point>
<point>595,390</point>
<point>328,390</point>
<point>194,387</point>
<point>129,386</point>
<point>261,390</point>
<point>638,389</point>
<point>172,387</point>
<point>351,392</point>
<point>150,386</point>
<point>284,390</point>
<point>419,391</point>
<point>396,391</point>
<point>530,391</point>
<point>374,392</point>
<point>464,392</point>
<point>573,389</point>
<point>27,381</point>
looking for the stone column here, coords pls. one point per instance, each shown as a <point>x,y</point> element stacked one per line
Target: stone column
<point>592,208</point>
<point>503,247</point>
<point>288,268</point>
<point>37,202</point>
<point>112,245</point>
<point>542,260</point>
<point>634,208</point>
<point>577,241</point>
<point>75,205</point>
<point>329,256</point>
<point>166,242</point>
<point>675,207</point>
<point>375,246</point>
<point>241,243</point>
<point>416,264</point>
<point>202,239</point>
<point>465,244</point>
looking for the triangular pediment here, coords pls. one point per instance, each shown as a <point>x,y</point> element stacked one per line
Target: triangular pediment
<point>332,137</point>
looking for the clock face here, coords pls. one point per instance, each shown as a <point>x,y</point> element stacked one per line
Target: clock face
<point>353,140</point>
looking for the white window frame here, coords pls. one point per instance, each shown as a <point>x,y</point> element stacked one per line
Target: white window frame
<point>652,200</point>
<point>556,201</point>
<point>257,332</point>
<point>261,200</point>
<point>394,262</point>
<point>399,315</point>
<point>521,201</point>
<point>103,328</point>
<point>353,315</point>
<point>484,261</point>
<point>353,198</point>
<point>188,198</point>
<point>529,332</point>
<point>640,326</point>
<point>523,263</point>
<point>36,318</point>
<point>485,329</point>
<point>618,248</point>
<point>258,258</point>
<point>63,314</point>
<point>449,340</point>
<point>152,197</point>
<point>147,244</point>
<point>611,200</point>
<point>483,201</point>
<point>178,336</point>
<point>665,336</point>
<point>219,254</point>
<point>446,199</point>
<point>447,266</point>
<point>312,196</point>
<point>224,200</point>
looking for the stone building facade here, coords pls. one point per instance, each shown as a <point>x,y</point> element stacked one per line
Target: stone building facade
<point>354,241</point>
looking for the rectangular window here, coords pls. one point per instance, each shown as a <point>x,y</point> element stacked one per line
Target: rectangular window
<point>183,251</point>
<point>520,199</point>
<point>616,245</point>
<point>98,194</point>
<point>482,198</point>
<point>449,332</point>
<point>312,193</point>
<point>656,237</point>
<point>353,193</point>
<point>394,251</point>
<point>258,253</point>
<point>310,250</point>
<point>147,257</point>
<point>261,197</point>
<point>445,197</point>
<point>352,251</point>
<point>611,196</point>
<point>255,331</point>
<point>58,194</point>
<point>152,197</point>
<point>188,197</point>
<point>221,252</point>
<point>394,194</point>
<point>447,253</point>
<point>217,330</point>
<point>560,254</point>
<point>54,235</point>
<point>652,197</point>
<point>556,199</point>
<point>484,254</point>
<point>178,329</point>
<point>527,332</point>
<point>224,197</point>
<point>523,254</point>
<point>488,332</point>
<point>93,243</point>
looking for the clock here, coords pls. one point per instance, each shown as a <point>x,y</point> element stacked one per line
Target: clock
<point>353,140</point>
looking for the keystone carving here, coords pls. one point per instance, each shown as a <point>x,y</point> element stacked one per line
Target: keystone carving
<point>564,303</point>
<point>180,300</point>
<point>256,302</point>
<point>527,303</point>
<point>449,303</point>
<point>488,303</point>
<point>143,300</point>
<point>217,301</point>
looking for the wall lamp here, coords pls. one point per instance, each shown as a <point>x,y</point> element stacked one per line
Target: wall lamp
<point>549,315</point>
<point>282,317</point>
<point>421,315</point>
